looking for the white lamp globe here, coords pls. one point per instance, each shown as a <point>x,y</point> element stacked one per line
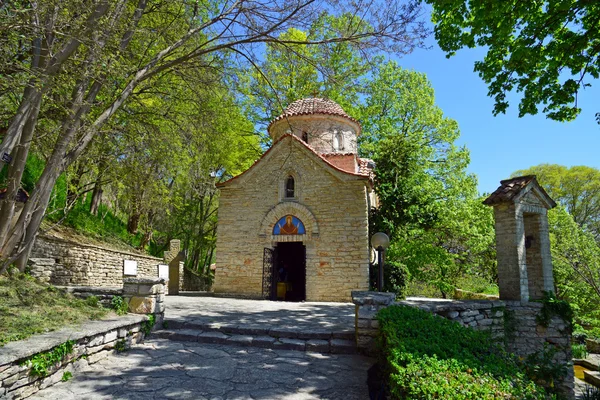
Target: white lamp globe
<point>380,239</point>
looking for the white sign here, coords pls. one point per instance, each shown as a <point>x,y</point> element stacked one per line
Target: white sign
<point>163,271</point>
<point>130,267</point>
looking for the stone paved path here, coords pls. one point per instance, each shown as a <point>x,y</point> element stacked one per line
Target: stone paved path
<point>161,369</point>
<point>313,316</point>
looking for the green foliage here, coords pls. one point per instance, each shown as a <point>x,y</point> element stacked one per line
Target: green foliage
<point>41,362</point>
<point>121,346</point>
<point>429,357</point>
<point>28,307</point>
<point>395,278</point>
<point>119,304</point>
<point>579,351</point>
<point>148,325</point>
<point>551,307</point>
<point>428,202</point>
<point>92,301</point>
<point>66,376</point>
<point>542,368</point>
<point>546,50</point>
<point>576,188</point>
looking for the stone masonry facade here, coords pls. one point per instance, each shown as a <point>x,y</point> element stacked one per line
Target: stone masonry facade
<point>66,263</point>
<point>314,147</point>
<point>335,215</point>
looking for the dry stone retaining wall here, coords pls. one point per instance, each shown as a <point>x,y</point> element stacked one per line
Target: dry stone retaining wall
<point>66,263</point>
<point>93,341</point>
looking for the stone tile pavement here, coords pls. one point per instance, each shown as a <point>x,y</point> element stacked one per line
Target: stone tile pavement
<point>162,369</point>
<point>259,313</point>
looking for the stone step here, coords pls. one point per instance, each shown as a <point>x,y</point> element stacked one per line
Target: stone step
<point>330,345</point>
<point>304,333</point>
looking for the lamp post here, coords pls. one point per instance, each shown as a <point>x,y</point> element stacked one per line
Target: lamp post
<point>380,241</point>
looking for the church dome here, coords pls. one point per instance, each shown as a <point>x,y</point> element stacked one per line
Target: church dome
<point>312,106</point>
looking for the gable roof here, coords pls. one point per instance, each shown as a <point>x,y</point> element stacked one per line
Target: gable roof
<point>511,190</point>
<point>309,149</point>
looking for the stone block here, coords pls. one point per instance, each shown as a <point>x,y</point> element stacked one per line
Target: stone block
<point>94,358</point>
<point>290,344</point>
<point>240,340</point>
<point>318,345</point>
<point>283,332</point>
<point>110,336</point>
<point>342,346</point>
<point>213,337</point>
<point>263,341</point>
<point>96,341</point>
<point>142,305</point>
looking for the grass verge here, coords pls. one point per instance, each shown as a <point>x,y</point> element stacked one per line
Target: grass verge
<point>28,307</point>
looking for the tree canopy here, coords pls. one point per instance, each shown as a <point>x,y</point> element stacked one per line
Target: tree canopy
<point>71,68</point>
<point>576,188</point>
<point>546,50</point>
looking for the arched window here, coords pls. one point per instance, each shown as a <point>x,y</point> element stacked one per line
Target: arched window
<point>338,141</point>
<point>289,187</point>
<point>305,137</point>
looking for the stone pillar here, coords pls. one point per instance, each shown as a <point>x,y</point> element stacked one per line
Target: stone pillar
<point>366,326</point>
<point>145,295</point>
<point>174,258</point>
<point>522,241</point>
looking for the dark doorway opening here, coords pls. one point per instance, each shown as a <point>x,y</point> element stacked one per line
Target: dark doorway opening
<point>290,272</point>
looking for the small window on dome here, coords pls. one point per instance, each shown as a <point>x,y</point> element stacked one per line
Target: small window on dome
<point>289,187</point>
<point>338,141</point>
<point>305,136</point>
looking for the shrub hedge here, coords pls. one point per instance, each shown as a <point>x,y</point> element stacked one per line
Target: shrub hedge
<point>428,357</point>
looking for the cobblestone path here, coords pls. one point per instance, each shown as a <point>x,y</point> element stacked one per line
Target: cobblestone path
<point>162,368</point>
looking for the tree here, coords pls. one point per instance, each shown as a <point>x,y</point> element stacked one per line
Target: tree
<point>101,53</point>
<point>546,50</point>
<point>428,202</point>
<point>576,188</point>
<point>576,262</point>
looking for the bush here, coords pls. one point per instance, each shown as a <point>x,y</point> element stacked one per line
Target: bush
<point>579,351</point>
<point>427,357</point>
<point>119,304</point>
<point>92,301</point>
<point>395,277</point>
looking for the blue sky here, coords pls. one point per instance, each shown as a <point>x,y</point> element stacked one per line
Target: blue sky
<point>506,143</point>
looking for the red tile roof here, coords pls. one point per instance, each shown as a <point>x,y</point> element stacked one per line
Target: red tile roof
<point>359,174</point>
<point>312,106</point>
<point>510,188</point>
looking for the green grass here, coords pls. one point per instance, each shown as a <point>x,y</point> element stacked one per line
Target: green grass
<point>106,226</point>
<point>28,307</point>
<point>477,284</point>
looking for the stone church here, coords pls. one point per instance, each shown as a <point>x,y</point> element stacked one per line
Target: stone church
<point>294,226</point>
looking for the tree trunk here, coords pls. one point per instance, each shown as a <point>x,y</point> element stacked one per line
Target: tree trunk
<point>15,174</point>
<point>133,222</point>
<point>96,198</point>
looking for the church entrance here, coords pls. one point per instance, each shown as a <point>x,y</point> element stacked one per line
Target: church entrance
<point>290,271</point>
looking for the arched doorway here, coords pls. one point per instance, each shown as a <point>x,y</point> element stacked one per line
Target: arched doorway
<point>284,266</point>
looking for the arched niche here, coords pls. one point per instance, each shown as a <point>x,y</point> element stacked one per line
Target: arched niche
<point>289,208</point>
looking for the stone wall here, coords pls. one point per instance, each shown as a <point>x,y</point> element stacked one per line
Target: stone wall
<point>94,341</point>
<point>332,205</point>
<point>66,263</point>
<point>514,324</point>
<point>103,293</point>
<point>194,283</point>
